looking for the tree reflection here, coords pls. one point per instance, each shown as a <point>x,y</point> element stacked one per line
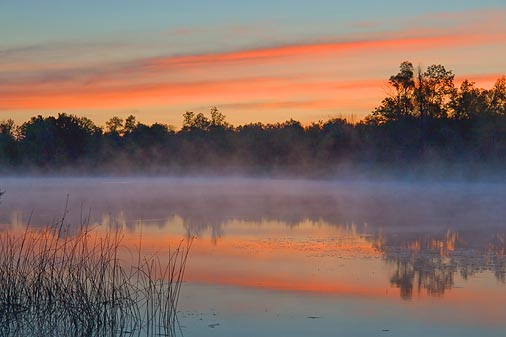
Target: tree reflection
<point>421,273</point>
<point>429,262</point>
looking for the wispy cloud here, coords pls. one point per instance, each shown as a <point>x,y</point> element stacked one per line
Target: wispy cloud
<point>347,72</point>
<point>277,54</point>
<point>325,49</point>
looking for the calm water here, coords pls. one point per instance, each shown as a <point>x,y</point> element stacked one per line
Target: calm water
<point>299,258</point>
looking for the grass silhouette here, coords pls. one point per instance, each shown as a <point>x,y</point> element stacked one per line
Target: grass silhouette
<point>62,281</point>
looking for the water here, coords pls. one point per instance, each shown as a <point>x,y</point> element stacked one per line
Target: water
<point>299,258</point>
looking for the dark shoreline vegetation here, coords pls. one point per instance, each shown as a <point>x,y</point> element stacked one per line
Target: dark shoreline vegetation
<point>61,281</point>
<point>424,127</point>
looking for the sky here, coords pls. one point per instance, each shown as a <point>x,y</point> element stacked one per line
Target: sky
<point>257,61</point>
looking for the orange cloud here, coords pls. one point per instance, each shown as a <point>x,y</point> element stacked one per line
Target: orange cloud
<point>272,78</point>
<point>321,49</point>
<point>172,93</point>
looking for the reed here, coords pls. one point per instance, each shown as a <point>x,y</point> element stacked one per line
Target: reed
<point>60,281</point>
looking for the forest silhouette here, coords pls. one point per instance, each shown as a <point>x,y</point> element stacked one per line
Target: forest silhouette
<point>424,124</point>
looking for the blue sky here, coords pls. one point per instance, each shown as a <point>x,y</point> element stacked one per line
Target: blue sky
<point>32,22</point>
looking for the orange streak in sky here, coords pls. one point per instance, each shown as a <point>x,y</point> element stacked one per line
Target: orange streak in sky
<point>153,94</point>
<point>144,83</point>
<point>330,48</point>
<point>481,81</point>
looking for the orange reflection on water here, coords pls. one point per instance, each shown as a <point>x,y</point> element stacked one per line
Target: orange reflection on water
<point>322,259</point>
<point>307,258</point>
<point>312,257</point>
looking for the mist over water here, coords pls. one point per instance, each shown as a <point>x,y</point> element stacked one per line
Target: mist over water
<point>202,202</point>
<point>372,240</point>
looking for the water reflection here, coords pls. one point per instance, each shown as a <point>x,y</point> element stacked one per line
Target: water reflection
<point>429,261</point>
<point>429,235</point>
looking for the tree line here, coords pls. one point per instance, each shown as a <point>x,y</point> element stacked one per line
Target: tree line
<point>425,121</point>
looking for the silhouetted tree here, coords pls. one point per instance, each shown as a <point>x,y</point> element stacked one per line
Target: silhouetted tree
<point>76,136</point>
<point>8,142</point>
<point>130,124</point>
<point>38,140</point>
<point>65,139</point>
<point>198,122</point>
<point>218,119</point>
<point>497,97</point>
<point>401,103</point>
<point>468,102</point>
<point>427,95</point>
<point>114,125</point>
<point>435,87</point>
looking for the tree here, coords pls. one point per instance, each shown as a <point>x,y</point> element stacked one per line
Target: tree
<point>38,140</point>
<point>468,102</point>
<point>8,141</point>
<point>192,122</point>
<point>427,95</point>
<point>130,124</point>
<point>114,125</point>
<point>404,85</point>
<point>400,103</point>
<point>497,97</point>
<point>8,128</point>
<point>75,136</point>
<point>150,136</point>
<point>435,88</point>
<point>201,122</point>
<point>188,118</point>
<point>56,141</point>
<point>218,119</point>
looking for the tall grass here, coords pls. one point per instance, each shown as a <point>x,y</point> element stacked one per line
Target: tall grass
<point>55,282</point>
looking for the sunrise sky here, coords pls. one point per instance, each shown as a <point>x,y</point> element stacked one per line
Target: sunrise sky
<point>260,60</point>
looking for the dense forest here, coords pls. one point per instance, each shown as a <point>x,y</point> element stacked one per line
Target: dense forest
<point>425,124</point>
